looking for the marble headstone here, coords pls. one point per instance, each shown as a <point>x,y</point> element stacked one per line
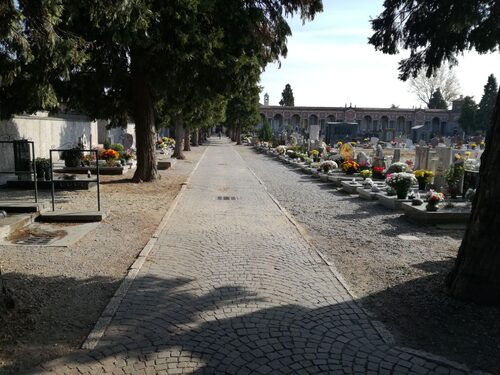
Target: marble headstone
<point>422,157</point>
<point>397,155</point>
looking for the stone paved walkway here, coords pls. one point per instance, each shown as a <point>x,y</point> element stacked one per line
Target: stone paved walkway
<point>232,287</point>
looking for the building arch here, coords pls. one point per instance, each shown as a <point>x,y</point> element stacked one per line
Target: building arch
<point>277,122</point>
<point>295,122</point>
<point>436,125</point>
<point>400,124</point>
<point>384,122</point>
<point>366,125</point>
<point>313,120</point>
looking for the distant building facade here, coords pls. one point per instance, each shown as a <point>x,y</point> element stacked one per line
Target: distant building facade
<point>350,122</point>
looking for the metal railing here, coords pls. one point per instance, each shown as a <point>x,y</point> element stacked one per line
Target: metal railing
<point>32,164</point>
<point>97,180</point>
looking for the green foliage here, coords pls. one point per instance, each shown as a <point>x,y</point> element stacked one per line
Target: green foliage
<point>42,166</point>
<point>435,32</point>
<point>287,98</point>
<point>117,147</point>
<point>437,101</point>
<point>487,104</point>
<point>107,144</point>
<point>266,132</point>
<point>454,175</point>
<point>468,115</point>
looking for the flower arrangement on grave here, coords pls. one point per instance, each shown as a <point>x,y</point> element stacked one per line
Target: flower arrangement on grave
<point>397,167</point>
<point>307,160</point>
<point>328,165</point>
<point>378,172</point>
<point>339,144</point>
<point>433,200</point>
<point>314,154</point>
<point>349,166</point>
<point>390,191</point>
<point>409,163</point>
<point>110,155</point>
<point>473,146</point>
<point>453,177</point>
<point>366,173</point>
<point>281,150</point>
<point>292,154</point>
<point>472,165</point>
<point>401,182</point>
<point>128,154</point>
<point>482,144</point>
<point>423,177</point>
<point>315,165</point>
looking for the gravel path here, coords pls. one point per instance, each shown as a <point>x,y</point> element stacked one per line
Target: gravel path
<point>60,291</point>
<point>399,281</point>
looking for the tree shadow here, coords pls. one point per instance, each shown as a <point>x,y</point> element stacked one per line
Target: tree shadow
<point>179,324</point>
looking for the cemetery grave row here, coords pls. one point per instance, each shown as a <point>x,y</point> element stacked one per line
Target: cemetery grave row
<point>432,184</point>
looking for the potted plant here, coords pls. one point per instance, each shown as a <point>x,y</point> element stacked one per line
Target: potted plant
<point>349,167</point>
<point>328,165</point>
<point>72,157</point>
<point>110,156</point>
<point>423,177</point>
<point>42,167</point>
<point>378,172</point>
<point>366,173</point>
<point>397,167</point>
<point>401,182</point>
<point>453,178</point>
<point>433,200</point>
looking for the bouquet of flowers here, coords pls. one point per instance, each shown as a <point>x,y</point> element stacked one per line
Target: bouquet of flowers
<point>433,200</point>
<point>397,167</point>
<point>366,173</point>
<point>423,176</point>
<point>168,141</point>
<point>328,165</point>
<point>281,150</point>
<point>378,172</point>
<point>349,166</point>
<point>401,182</point>
<point>109,154</point>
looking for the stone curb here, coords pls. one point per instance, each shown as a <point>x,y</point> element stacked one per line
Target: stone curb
<point>109,311</point>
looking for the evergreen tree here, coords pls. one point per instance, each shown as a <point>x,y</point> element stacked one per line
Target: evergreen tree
<point>434,32</point>
<point>287,99</point>
<point>266,132</point>
<point>437,101</point>
<point>487,104</point>
<point>468,115</point>
<point>118,60</point>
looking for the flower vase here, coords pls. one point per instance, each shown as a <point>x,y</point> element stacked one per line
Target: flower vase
<point>421,184</point>
<point>431,207</point>
<point>402,194</point>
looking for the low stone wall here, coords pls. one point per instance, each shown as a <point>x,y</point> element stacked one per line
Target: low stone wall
<point>47,132</point>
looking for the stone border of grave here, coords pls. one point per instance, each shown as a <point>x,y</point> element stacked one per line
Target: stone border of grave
<point>458,215</point>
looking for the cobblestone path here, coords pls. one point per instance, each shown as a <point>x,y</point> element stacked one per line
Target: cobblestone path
<point>231,287</point>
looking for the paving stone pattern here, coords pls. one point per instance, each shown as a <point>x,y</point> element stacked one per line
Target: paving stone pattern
<point>231,287</point>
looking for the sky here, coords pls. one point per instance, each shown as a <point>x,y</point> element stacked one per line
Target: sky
<point>330,63</point>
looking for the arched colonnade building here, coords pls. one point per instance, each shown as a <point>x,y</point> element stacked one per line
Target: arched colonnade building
<point>384,123</point>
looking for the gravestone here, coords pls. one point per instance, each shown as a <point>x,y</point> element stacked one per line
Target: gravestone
<point>409,144</point>
<point>422,143</point>
<point>362,158</point>
<point>434,142</point>
<point>314,132</point>
<point>447,141</point>
<point>397,155</point>
<point>421,157</point>
<point>444,156</point>
<point>127,140</point>
<point>379,157</point>
<point>374,140</point>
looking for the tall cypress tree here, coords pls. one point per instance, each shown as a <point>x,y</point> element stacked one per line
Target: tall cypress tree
<point>437,100</point>
<point>468,115</point>
<point>287,99</point>
<point>487,104</point>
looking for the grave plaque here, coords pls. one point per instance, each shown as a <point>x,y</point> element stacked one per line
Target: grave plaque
<point>127,140</point>
<point>397,155</point>
<point>22,160</point>
<point>314,132</point>
<point>422,157</point>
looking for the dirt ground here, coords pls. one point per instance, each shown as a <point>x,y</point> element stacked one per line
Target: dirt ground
<point>61,291</point>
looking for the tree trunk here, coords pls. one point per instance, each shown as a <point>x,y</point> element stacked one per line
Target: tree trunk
<point>196,137</point>
<point>476,273</point>
<point>143,114</point>
<point>179,138</point>
<point>187,136</point>
<point>238,134</point>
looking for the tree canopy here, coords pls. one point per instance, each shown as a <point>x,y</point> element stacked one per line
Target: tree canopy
<point>434,32</point>
<point>118,60</point>
<point>443,78</point>
<point>287,99</point>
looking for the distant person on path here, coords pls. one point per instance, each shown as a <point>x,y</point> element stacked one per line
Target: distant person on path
<point>220,134</point>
